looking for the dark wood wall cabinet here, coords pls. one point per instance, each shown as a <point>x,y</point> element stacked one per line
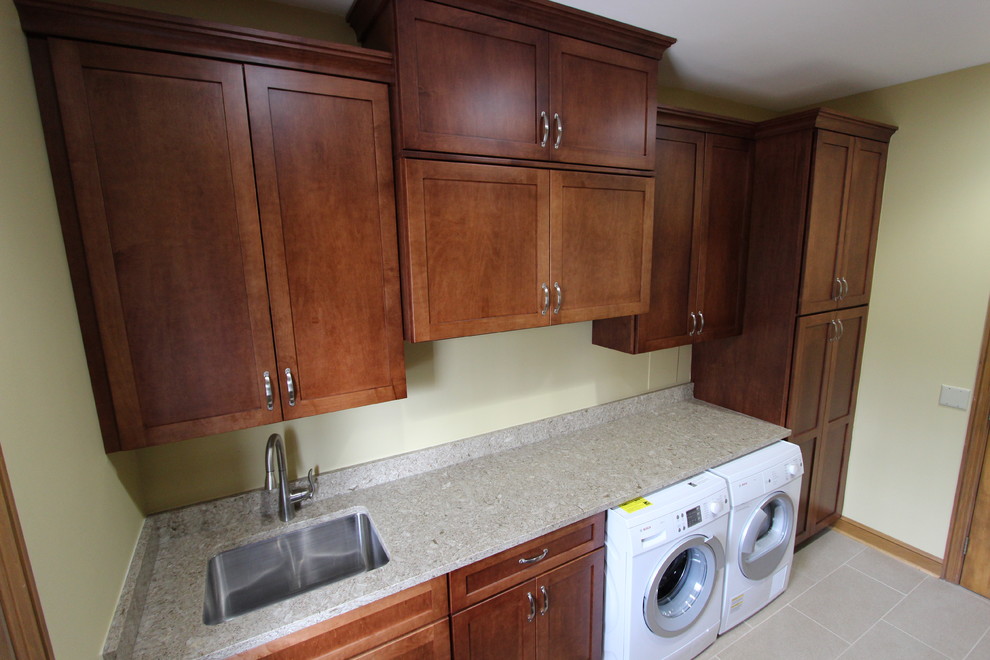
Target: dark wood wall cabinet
<point>817,186</point>
<point>227,205</point>
<point>526,136</point>
<point>701,221</point>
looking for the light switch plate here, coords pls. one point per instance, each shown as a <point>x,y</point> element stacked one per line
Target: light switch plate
<point>954,397</point>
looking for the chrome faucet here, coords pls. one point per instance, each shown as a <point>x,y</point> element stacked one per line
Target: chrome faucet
<point>287,498</point>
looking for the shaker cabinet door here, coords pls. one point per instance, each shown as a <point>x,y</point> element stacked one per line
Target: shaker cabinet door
<point>478,246</point>
<point>859,234</point>
<point>604,105</point>
<point>323,159</point>
<point>601,239</point>
<point>471,84</point>
<point>161,170</point>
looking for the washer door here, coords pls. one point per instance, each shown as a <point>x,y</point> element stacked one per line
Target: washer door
<point>683,585</point>
<point>766,536</point>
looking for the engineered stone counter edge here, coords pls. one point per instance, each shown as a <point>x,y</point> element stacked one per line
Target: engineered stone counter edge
<point>478,497</point>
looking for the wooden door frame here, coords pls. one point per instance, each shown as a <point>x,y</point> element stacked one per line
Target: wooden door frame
<point>18,593</point>
<point>974,452</point>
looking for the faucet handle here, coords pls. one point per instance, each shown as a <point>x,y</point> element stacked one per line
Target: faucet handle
<point>311,490</point>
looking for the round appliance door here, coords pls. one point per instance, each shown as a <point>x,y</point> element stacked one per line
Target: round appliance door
<point>683,585</point>
<point>766,536</point>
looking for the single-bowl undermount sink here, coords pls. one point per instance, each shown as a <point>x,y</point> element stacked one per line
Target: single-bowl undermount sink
<point>258,574</point>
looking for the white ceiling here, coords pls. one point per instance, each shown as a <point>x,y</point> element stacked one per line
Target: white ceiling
<point>784,54</point>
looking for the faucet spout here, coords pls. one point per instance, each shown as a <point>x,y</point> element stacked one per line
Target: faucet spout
<point>287,498</point>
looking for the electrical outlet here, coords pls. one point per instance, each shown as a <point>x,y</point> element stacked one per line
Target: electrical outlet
<point>954,397</point>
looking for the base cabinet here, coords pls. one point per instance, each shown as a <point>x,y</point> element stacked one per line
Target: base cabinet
<point>557,615</point>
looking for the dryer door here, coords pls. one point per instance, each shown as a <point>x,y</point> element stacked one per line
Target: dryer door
<point>683,585</point>
<point>767,536</point>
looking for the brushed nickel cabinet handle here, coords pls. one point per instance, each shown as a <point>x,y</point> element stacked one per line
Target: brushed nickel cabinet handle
<point>539,557</point>
<point>694,324</point>
<point>290,386</point>
<point>532,606</point>
<point>546,601</point>
<point>545,120</point>
<point>269,395</point>
<point>702,317</point>
<point>842,329</point>
<point>830,335</point>
<point>560,130</point>
<point>845,288</point>
<point>560,297</point>
<point>837,290</point>
<point>546,299</point>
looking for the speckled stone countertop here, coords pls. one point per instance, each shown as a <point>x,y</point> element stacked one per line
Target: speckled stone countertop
<point>436,510</point>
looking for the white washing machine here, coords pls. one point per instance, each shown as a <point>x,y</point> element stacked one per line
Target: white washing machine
<point>663,571</point>
<point>764,492</point>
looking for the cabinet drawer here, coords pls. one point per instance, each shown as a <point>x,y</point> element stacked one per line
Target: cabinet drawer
<point>474,583</point>
<point>428,643</point>
<point>362,630</point>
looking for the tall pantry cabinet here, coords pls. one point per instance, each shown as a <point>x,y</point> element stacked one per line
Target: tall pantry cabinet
<point>817,187</point>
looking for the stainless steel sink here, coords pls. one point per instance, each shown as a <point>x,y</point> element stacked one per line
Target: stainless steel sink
<point>258,574</point>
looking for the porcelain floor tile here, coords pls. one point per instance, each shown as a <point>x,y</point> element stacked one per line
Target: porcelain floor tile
<point>847,602</point>
<point>945,616</point>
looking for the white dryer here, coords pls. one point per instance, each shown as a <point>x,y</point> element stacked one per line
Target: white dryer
<point>764,492</point>
<point>663,571</point>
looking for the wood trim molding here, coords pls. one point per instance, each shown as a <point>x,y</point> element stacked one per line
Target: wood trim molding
<point>18,593</point>
<point>923,560</point>
<point>974,452</point>
<point>828,119</point>
<point>668,115</point>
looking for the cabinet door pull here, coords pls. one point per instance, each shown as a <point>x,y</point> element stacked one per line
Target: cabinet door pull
<point>290,386</point>
<point>830,335</point>
<point>546,601</point>
<point>842,330</point>
<point>269,395</point>
<point>702,317</point>
<point>532,606</point>
<point>560,297</point>
<point>546,299</point>
<point>845,289</point>
<point>694,324</point>
<point>546,128</point>
<point>837,290</point>
<point>539,557</point>
<point>560,130</point>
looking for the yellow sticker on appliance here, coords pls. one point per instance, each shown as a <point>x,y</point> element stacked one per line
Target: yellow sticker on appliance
<point>737,602</point>
<point>635,505</point>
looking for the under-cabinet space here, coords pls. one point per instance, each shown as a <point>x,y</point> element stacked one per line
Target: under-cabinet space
<point>490,248</point>
<point>490,79</point>
<point>701,223</point>
<point>170,170</point>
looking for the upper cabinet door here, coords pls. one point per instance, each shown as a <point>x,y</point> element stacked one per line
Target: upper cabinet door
<point>323,166</point>
<point>820,284</point>
<point>844,215</point>
<point>472,84</point>
<point>478,249</point>
<point>604,105</point>
<point>862,221</point>
<point>602,244</point>
<point>161,168</point>
<point>722,267</point>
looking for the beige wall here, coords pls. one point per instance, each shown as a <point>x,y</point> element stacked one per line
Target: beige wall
<point>929,302</point>
<point>80,523</point>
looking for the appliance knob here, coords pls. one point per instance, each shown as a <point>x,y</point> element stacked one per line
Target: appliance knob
<point>715,507</point>
<point>792,469</point>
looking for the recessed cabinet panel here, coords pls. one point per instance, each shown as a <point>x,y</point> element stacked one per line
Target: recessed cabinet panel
<point>604,102</point>
<point>322,152</point>
<point>478,247</point>
<point>181,293</point>
<point>470,83</point>
<point>722,263</point>
<point>601,237</point>
<point>829,189</point>
<point>498,628</point>
<point>808,377</point>
<point>848,353</point>
<point>862,220</point>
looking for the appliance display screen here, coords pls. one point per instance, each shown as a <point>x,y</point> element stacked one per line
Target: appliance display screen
<point>693,516</point>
